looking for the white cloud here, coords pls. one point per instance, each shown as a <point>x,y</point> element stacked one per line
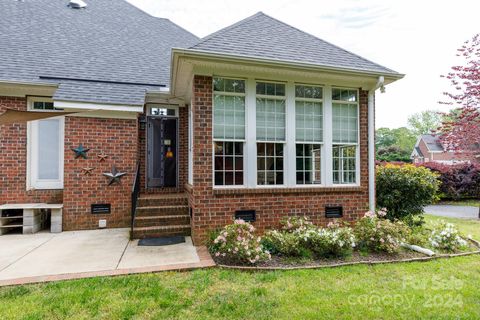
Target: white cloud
<point>418,38</point>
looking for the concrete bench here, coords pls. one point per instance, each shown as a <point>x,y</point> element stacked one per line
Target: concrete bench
<point>32,218</point>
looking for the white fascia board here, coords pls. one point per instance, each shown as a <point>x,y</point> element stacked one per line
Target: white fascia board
<point>176,52</point>
<point>96,106</point>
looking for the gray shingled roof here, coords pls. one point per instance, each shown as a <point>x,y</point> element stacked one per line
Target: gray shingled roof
<point>109,41</point>
<point>262,36</point>
<point>433,142</point>
<point>419,152</point>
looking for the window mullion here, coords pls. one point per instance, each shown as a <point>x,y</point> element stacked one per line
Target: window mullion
<point>290,149</point>
<point>250,162</point>
<point>327,160</point>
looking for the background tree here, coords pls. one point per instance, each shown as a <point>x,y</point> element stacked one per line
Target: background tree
<point>394,144</point>
<point>425,122</point>
<point>462,132</point>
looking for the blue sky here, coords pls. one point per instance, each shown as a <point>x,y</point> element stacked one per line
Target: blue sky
<point>418,38</point>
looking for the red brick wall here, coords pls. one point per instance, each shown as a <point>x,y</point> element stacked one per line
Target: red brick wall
<point>13,161</point>
<point>118,139</point>
<point>182,155</point>
<point>213,209</point>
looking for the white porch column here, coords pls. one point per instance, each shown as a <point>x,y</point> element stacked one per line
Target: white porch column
<point>371,150</point>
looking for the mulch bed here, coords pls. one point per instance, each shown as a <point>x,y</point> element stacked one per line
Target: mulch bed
<point>286,263</point>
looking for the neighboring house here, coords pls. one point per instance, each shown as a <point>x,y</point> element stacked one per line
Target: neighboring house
<point>258,120</point>
<point>429,148</point>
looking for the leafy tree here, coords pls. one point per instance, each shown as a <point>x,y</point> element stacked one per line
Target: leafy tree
<point>393,154</point>
<point>462,132</point>
<point>424,122</point>
<point>394,144</point>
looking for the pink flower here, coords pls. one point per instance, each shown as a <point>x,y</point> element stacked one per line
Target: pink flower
<point>381,240</point>
<point>369,214</point>
<point>217,254</point>
<point>239,221</point>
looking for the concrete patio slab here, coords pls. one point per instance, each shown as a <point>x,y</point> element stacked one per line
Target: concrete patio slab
<point>147,256</point>
<point>71,252</point>
<point>79,254</point>
<point>14,247</point>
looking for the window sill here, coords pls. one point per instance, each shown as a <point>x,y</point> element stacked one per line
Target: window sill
<point>283,190</point>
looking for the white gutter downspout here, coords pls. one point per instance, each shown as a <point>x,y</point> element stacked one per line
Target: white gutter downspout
<point>371,142</point>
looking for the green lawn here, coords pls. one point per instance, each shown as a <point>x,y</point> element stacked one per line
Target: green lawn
<point>439,289</point>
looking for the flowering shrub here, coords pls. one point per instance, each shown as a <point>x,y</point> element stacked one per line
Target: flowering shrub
<point>300,237</point>
<point>377,234</point>
<point>296,224</point>
<point>405,190</point>
<point>284,243</point>
<point>445,236</point>
<point>334,240</point>
<point>238,243</point>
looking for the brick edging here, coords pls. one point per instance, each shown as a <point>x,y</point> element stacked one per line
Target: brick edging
<point>206,261</point>
<point>343,264</point>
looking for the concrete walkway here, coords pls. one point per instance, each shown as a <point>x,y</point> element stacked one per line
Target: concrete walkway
<point>45,256</point>
<point>463,212</point>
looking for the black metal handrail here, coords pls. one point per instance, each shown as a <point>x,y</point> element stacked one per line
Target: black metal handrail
<point>135,193</point>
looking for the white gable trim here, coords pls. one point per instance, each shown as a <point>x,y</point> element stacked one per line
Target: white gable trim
<point>96,106</point>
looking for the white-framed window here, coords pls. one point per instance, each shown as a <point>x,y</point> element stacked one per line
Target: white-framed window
<point>162,110</point>
<point>228,163</point>
<point>308,133</point>
<point>268,133</point>
<point>345,136</point>
<point>270,164</point>
<point>228,131</point>
<point>45,147</point>
<point>271,132</point>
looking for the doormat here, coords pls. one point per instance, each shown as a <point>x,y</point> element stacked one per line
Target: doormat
<point>163,241</point>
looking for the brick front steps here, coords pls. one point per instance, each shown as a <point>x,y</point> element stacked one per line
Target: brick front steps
<point>161,215</point>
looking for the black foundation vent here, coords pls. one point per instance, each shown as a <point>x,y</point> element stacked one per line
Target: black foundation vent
<point>100,208</point>
<point>246,215</point>
<point>333,212</point>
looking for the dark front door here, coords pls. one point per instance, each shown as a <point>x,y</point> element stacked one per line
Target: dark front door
<point>162,152</point>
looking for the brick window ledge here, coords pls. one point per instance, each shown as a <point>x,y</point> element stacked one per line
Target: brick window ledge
<point>319,190</point>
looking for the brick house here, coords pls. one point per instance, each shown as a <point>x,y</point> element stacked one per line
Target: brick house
<point>429,148</point>
<point>258,120</point>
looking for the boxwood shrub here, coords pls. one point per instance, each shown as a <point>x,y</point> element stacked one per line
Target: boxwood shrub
<point>404,190</point>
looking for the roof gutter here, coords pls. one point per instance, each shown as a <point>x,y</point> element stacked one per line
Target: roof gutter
<point>280,62</point>
<point>24,83</point>
<point>371,141</point>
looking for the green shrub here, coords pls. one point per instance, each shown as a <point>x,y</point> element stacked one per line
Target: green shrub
<point>333,241</point>
<point>418,236</point>
<point>375,233</point>
<point>238,243</point>
<point>284,243</point>
<point>404,190</point>
<point>300,238</point>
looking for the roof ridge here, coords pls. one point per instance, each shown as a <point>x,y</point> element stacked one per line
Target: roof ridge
<point>333,45</point>
<point>161,18</point>
<point>227,28</point>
